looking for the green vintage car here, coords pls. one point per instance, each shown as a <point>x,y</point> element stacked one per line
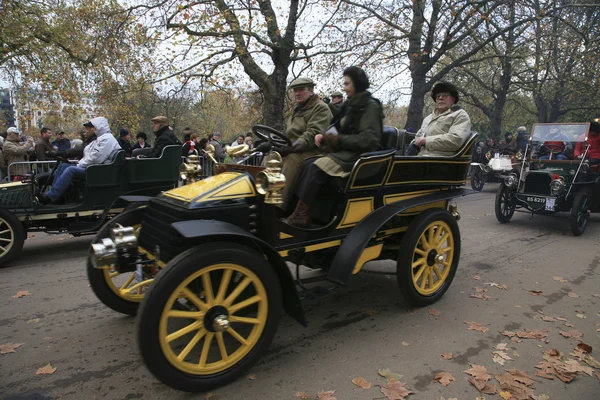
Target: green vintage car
<point>206,262</point>
<point>88,204</point>
<point>545,185</point>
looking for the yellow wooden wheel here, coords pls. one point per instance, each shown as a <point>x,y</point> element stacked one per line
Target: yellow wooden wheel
<point>428,257</point>
<point>209,316</point>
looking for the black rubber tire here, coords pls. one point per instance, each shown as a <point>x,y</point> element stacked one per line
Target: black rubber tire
<point>503,206</point>
<point>176,271</point>
<point>405,258</point>
<point>579,213</point>
<point>477,180</point>
<point>17,236</point>
<point>96,277</point>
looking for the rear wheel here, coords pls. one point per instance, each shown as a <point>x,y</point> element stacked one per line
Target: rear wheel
<point>504,204</point>
<point>12,237</point>
<point>579,213</point>
<point>209,317</point>
<point>477,180</point>
<point>121,292</point>
<point>428,257</point>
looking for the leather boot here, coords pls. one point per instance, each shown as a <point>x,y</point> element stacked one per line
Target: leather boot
<point>300,217</point>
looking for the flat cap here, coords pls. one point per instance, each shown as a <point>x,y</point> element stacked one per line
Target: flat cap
<point>12,129</point>
<point>521,128</point>
<point>301,82</point>
<point>337,93</point>
<point>160,120</point>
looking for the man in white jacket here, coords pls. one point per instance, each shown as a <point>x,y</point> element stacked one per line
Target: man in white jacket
<point>99,151</point>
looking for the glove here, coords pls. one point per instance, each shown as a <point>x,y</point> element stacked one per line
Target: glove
<point>327,100</point>
<point>296,147</point>
<point>51,153</point>
<point>332,141</point>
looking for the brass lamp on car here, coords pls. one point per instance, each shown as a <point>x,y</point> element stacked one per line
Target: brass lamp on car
<point>237,151</point>
<point>271,181</point>
<point>192,170</point>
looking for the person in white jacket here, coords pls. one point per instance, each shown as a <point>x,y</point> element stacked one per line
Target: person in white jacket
<point>100,151</point>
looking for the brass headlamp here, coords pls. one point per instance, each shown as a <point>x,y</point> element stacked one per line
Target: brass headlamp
<point>192,170</point>
<point>271,181</point>
<point>237,151</point>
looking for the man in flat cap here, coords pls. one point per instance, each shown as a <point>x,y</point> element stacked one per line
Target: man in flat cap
<point>447,128</point>
<point>164,136</point>
<point>337,98</point>
<point>310,117</point>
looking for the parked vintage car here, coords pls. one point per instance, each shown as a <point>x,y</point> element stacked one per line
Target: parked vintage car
<point>498,166</point>
<point>208,261</point>
<point>548,186</point>
<point>87,205</point>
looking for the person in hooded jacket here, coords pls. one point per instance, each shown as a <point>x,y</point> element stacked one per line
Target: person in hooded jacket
<point>100,151</point>
<point>164,137</point>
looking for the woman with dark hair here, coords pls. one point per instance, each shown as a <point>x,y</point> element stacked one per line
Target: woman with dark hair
<point>357,129</point>
<point>142,141</point>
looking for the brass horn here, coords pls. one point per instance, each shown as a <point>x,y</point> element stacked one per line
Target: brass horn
<point>237,151</point>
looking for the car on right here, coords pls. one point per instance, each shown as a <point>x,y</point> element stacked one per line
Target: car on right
<point>544,184</point>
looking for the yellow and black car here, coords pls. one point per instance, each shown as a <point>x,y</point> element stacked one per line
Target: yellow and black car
<point>207,261</point>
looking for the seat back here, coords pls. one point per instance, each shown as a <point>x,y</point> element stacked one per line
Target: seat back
<point>389,138</point>
<point>102,175</point>
<point>138,152</point>
<point>466,151</point>
<point>163,169</point>
<point>370,170</point>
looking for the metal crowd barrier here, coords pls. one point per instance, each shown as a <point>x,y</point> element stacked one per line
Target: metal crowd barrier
<point>207,163</point>
<point>29,168</point>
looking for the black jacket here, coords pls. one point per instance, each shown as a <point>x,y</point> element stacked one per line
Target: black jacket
<point>164,137</point>
<point>126,146</point>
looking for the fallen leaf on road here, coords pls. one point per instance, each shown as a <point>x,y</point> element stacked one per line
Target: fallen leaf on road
<point>572,334</point>
<point>474,326</point>
<point>584,348</point>
<point>501,346</point>
<point>411,311</point>
<point>479,372</point>
<point>434,312</point>
<point>536,293</point>
<point>395,391</point>
<point>521,376</point>
<point>597,375</point>
<point>447,356</point>
<point>494,284</point>
<point>405,344</point>
<point>483,387</point>
<point>30,235</point>
<point>552,355</point>
<point>540,397</point>
<point>476,277</point>
<point>569,325</point>
<point>480,289</point>
<point>21,293</point>
<point>560,279</point>
<point>505,395</point>
<point>9,347</point>
<point>33,321</point>
<point>46,370</point>
<point>548,319</point>
<point>533,334</point>
<point>362,383</point>
<point>210,396</point>
<point>479,296</point>
<point>508,333</point>
<point>251,376</point>
<point>500,357</point>
<point>573,295</point>
<point>561,319</point>
<point>574,366</point>
<point>510,384</point>
<point>581,316</point>
<point>303,395</point>
<point>386,373</point>
<point>444,378</point>
<point>596,295</point>
<point>326,395</point>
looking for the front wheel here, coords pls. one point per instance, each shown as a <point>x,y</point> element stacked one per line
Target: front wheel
<point>428,257</point>
<point>579,213</point>
<point>12,237</point>
<point>477,180</point>
<point>209,316</point>
<point>504,205</point>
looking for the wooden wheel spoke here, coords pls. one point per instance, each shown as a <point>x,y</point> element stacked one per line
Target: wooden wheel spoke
<point>237,336</point>
<point>206,349</point>
<point>430,276</point>
<point>237,291</point>
<point>236,307</point>
<point>430,236</point>
<point>420,272</point>
<point>138,286</point>
<point>420,252</point>
<point>424,243</point>
<point>6,240</point>
<point>223,286</point>
<point>244,320</point>
<point>437,272</point>
<point>222,348</point>
<point>424,280</point>
<point>191,344</point>
<point>4,231</point>
<point>200,305</point>
<point>444,237</point>
<point>208,290</point>
<point>184,331</point>
<point>113,274</point>
<point>445,250</point>
<point>128,282</point>
<point>185,314</point>
<point>2,248</point>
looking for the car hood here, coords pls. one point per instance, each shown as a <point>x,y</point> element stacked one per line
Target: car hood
<point>224,187</point>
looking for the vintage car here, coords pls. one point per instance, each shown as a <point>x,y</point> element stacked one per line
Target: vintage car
<point>498,166</point>
<point>87,205</point>
<point>208,261</point>
<point>547,186</point>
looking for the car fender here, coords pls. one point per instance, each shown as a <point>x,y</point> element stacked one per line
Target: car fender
<point>474,164</point>
<point>218,230</point>
<point>353,245</point>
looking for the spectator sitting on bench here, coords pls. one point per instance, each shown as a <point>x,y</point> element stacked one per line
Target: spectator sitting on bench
<point>100,151</point>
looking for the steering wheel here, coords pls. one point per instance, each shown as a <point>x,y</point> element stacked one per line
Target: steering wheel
<point>273,136</point>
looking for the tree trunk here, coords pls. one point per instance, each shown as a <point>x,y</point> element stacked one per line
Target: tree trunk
<point>496,117</point>
<point>414,117</point>
<point>274,98</point>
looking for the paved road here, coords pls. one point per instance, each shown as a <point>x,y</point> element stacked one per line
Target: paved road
<point>352,333</point>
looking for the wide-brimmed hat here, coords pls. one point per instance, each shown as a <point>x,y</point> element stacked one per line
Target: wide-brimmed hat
<point>444,87</point>
<point>302,82</point>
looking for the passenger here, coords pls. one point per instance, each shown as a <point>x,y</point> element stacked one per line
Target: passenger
<point>164,137</point>
<point>508,145</point>
<point>43,147</point>
<point>100,151</point>
<point>555,143</point>
<point>17,151</point>
<point>593,154</point>
<point>522,138</point>
<point>337,98</point>
<point>125,141</point>
<point>309,118</point>
<point>447,128</point>
<point>359,131</point>
<point>142,141</point>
